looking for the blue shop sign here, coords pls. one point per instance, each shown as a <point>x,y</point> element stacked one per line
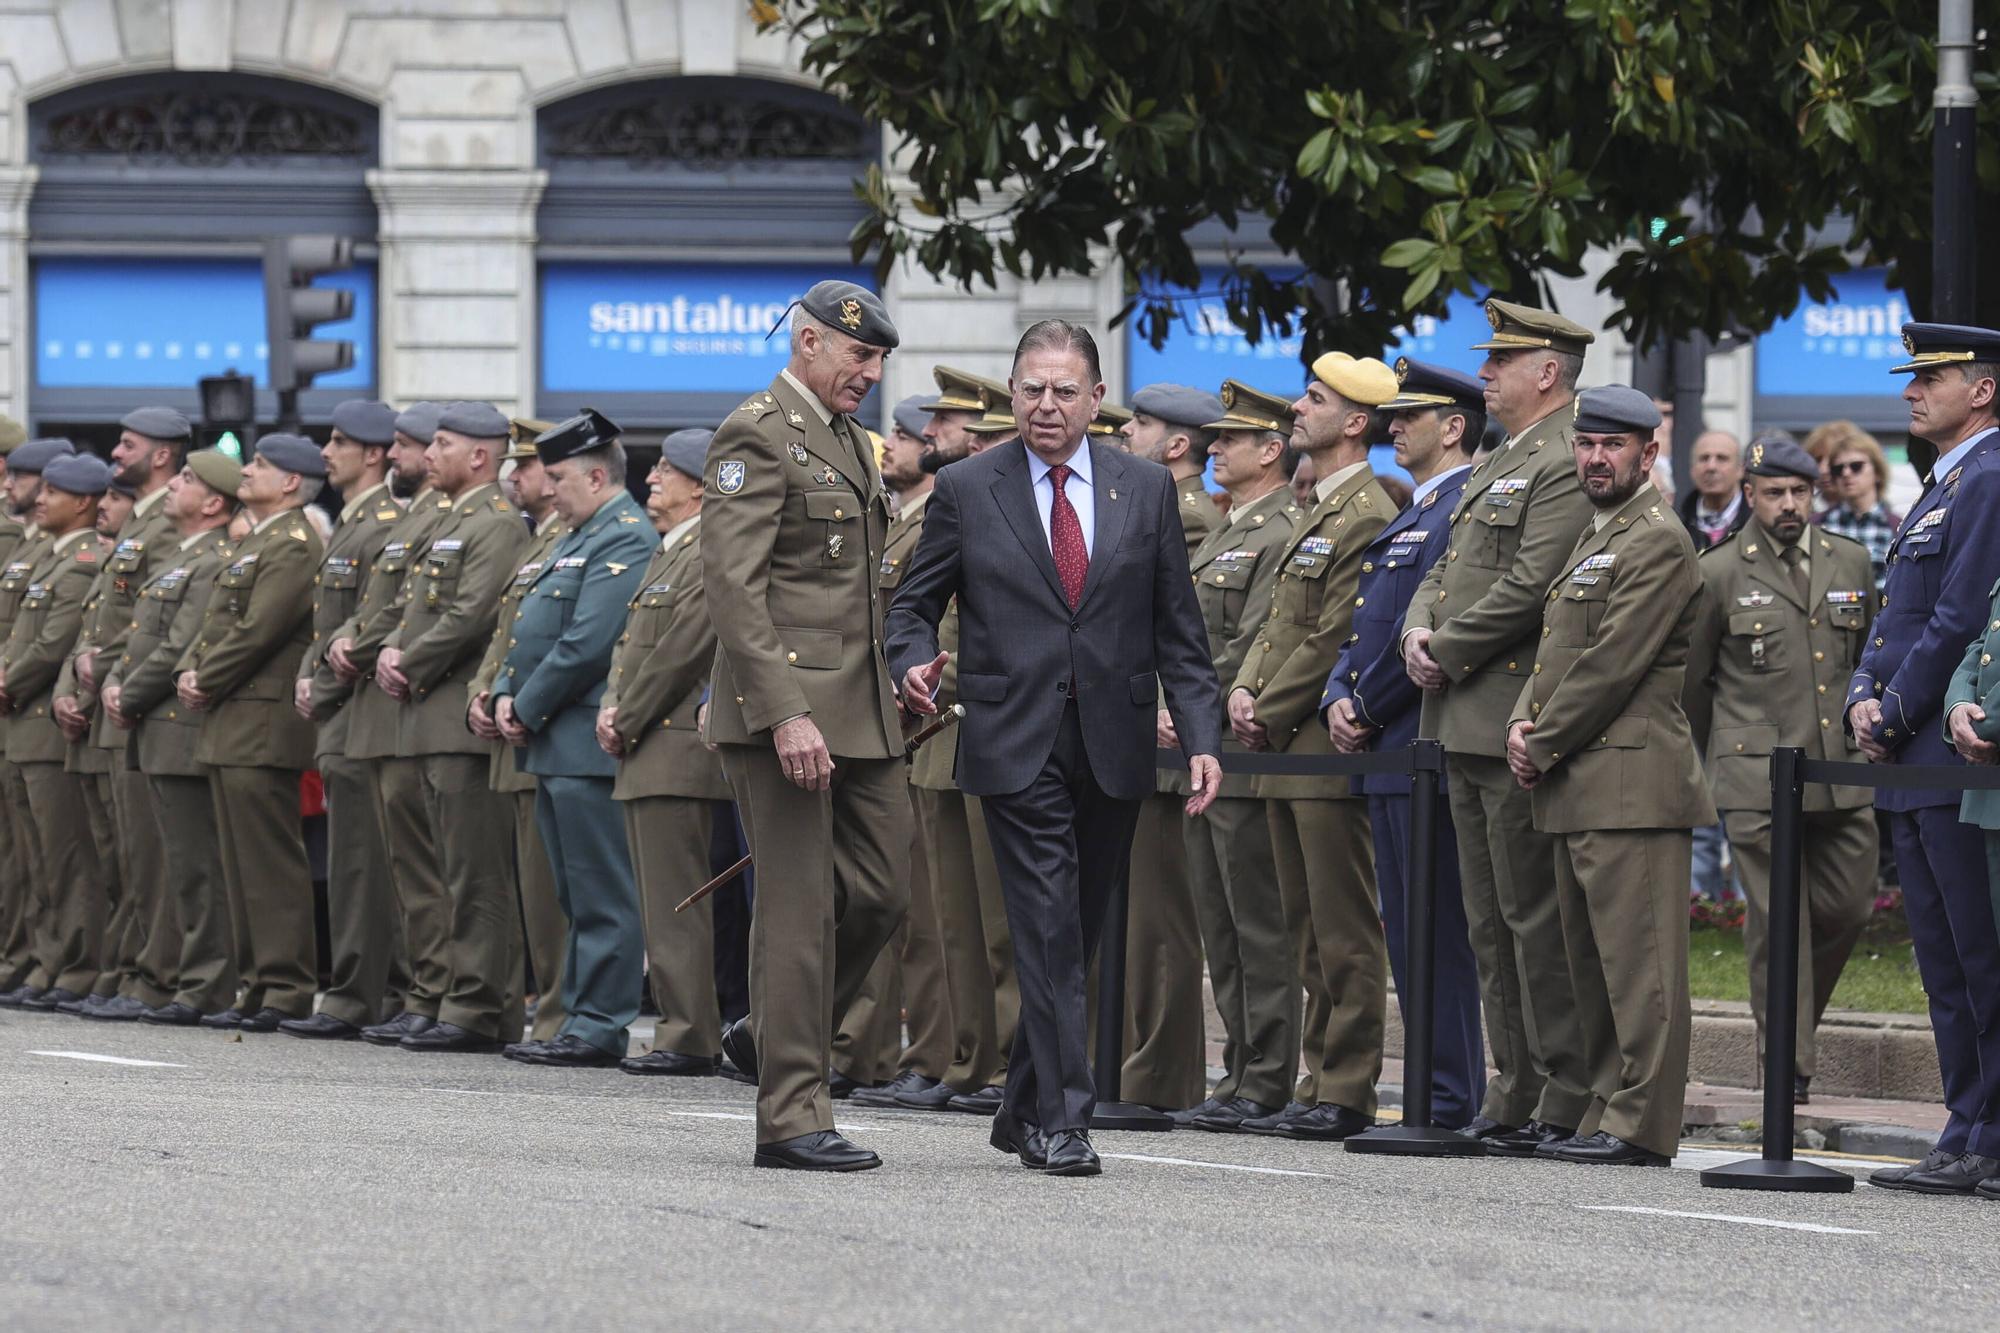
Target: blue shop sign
<point>669,328</point>
<point>165,323</point>
<point>1838,348</point>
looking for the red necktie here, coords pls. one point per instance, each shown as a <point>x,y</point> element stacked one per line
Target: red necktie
<point>1066,539</point>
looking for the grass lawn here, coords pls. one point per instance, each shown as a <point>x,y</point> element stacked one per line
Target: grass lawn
<point>1881,974</point>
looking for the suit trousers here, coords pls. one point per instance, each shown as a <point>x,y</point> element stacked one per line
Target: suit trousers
<point>1958,958</point>
<point>69,901</point>
<point>117,954</point>
<point>269,885</point>
<point>473,827</point>
<point>985,998</point>
<point>1166,1038</point>
<point>1836,896</point>
<point>831,885</point>
<point>205,972</point>
<point>1250,956</point>
<point>360,899</point>
<point>19,873</point>
<point>155,966</point>
<point>1061,845</point>
<point>669,838</point>
<point>583,830</point>
<point>1507,872</point>
<point>1623,901</point>
<point>1326,871</point>
<point>416,866</point>
<point>1458,1055</point>
<point>544,927</point>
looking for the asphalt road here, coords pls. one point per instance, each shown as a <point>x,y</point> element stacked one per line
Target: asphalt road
<point>267,1182</point>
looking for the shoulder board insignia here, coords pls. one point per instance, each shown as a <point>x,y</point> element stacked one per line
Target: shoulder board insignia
<point>615,567</point>
<point>443,503</point>
<point>1188,499</point>
<point>299,535</point>
<point>627,518</point>
<point>500,506</point>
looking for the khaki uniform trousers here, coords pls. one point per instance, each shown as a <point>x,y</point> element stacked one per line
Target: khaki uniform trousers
<point>1166,1033</point>
<point>544,927</point>
<point>1507,870</point>
<point>1325,859</point>
<point>669,837</point>
<point>19,859</point>
<point>367,978</point>
<point>270,886</point>
<point>978,948</point>
<point>156,917</point>
<point>205,973</point>
<point>417,867</point>
<point>68,901</point>
<point>1623,902</point>
<point>1836,895</point>
<point>472,827</point>
<point>906,985</point>
<point>831,885</point>
<point>1250,958</point>
<point>118,951</point>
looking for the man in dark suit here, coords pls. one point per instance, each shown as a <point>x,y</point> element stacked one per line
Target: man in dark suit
<point>1075,607</point>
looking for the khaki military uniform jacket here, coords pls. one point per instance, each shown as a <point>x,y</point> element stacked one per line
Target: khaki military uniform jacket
<point>1514,526</point>
<point>257,622</point>
<point>794,523</point>
<point>107,614</point>
<point>1198,513</point>
<point>165,619</point>
<point>1610,739</point>
<point>352,550</point>
<point>1766,668</point>
<point>373,716</point>
<point>505,774</point>
<point>1311,614</point>
<point>40,640</point>
<point>657,674</point>
<point>932,766</point>
<point>13,532</point>
<point>447,612</point>
<point>21,545</point>
<point>1235,568</point>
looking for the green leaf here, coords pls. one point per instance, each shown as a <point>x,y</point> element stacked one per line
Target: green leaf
<point>1423,284</point>
<point>1516,98</point>
<point>1408,252</point>
<point>1435,179</point>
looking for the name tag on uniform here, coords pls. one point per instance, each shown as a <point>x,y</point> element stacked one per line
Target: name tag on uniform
<point>570,562</point>
<point>447,545</point>
<point>1316,546</point>
<point>172,579</point>
<point>1843,596</point>
<point>395,550</point>
<point>244,563</point>
<point>657,588</point>
<point>527,571</point>
<point>1508,486</point>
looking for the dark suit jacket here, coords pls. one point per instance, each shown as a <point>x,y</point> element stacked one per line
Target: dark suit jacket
<point>1136,628</point>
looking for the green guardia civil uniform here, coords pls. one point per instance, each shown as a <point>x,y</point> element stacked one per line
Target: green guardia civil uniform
<point>256,625</point>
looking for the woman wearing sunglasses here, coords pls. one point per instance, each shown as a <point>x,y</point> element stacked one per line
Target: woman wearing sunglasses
<point>1857,473</point>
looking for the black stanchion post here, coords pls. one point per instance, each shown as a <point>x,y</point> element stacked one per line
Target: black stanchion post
<point>1776,1170</point>
<point>1416,1136</point>
<point>1112,1112</point>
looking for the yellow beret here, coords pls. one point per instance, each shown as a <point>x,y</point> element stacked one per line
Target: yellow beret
<point>1365,380</point>
<point>12,433</point>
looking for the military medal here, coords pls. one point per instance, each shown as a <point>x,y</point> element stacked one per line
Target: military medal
<point>834,545</point>
<point>1755,597</point>
<point>829,477</point>
<point>798,453</point>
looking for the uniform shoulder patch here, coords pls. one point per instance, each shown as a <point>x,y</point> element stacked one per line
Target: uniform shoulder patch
<point>729,475</point>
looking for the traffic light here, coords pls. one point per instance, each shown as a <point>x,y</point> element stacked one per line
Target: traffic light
<point>228,399</point>
<point>293,308</point>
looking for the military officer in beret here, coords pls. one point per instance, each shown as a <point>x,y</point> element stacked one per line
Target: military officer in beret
<point>1319,831</point>
<point>1469,641</point>
<point>1164,428</point>
<point>545,930</point>
<point>1943,563</point>
<point>1787,611</point>
<point>546,699</point>
<point>70,901</point>
<point>361,905</point>
<point>140,700</point>
<point>803,709</point>
<point>1230,868</point>
<point>1436,420</point>
<point>238,675</point>
<point>1599,741</point>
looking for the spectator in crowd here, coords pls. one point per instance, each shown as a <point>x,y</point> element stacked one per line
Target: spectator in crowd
<point>1858,471</point>
<point>1714,509</point>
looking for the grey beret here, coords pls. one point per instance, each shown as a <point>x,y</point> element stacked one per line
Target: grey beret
<point>419,421</point>
<point>293,453</point>
<point>157,423</point>
<point>853,309</point>
<point>38,454</point>
<point>1616,409</point>
<point>1780,458</point>
<point>910,415</point>
<point>78,474</point>
<point>365,422</point>
<point>1178,405</point>
<point>686,451</point>
<point>124,488</point>
<point>481,421</point>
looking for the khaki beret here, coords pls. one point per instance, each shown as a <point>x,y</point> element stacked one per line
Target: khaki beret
<point>1365,379</point>
<point>12,433</point>
<point>217,471</point>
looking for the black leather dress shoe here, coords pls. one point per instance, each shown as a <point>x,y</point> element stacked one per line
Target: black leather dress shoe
<point>1228,1118</point>
<point>1524,1141</point>
<point>173,1014</point>
<point>937,1097</point>
<point>78,1007</point>
<point>884,1097</point>
<point>391,1033</point>
<point>48,1000</point>
<point>986,1101</point>
<point>567,1051</point>
<point>18,997</point>
<point>1892,1177</point>
<point>1023,1141</point>
<point>264,1020</point>
<point>1606,1149</point>
<point>1326,1123</point>
<point>1271,1124</point>
<point>115,1009</point>
<point>228,1018</point>
<point>1483,1128</point>
<point>321,1027</point>
<point>1961,1175</point>
<point>1070,1154</point>
<point>450,1038</point>
<point>1186,1115</point>
<point>840,1087</point>
<point>670,1062</point>
<point>741,1048</point>
<point>825,1150</point>
<point>1988,1188</point>
<point>1801,1090</point>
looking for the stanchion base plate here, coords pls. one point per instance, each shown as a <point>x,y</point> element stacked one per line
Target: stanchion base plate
<point>1414,1141</point>
<point>1129,1115</point>
<point>1796,1177</point>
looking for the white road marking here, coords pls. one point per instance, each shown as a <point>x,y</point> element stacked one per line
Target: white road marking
<point>1214,1166</point>
<point>108,1059</point>
<point>1814,1227</point>
<point>468,1092</point>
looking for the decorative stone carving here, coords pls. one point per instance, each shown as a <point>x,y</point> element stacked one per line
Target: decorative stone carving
<point>705,131</point>
<point>198,128</point>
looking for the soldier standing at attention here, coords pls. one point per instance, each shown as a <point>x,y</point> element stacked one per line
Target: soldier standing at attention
<point>802,707</point>
<point>1787,611</point>
<point>1599,741</point>
<point>546,698</point>
<point>360,902</point>
<point>1469,641</point>
<point>14,963</point>
<point>238,675</point>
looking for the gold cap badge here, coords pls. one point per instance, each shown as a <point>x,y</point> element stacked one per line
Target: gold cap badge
<point>850,313</point>
<point>1402,369</point>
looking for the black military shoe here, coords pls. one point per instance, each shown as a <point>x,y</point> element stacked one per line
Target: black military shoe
<point>1070,1154</point>
<point>321,1027</point>
<point>1524,1141</point>
<point>1892,1177</point>
<point>1801,1089</point>
<point>391,1033</point>
<point>81,1006</point>
<point>668,1062</point>
<point>1484,1128</point>
<point>986,1101</point>
<point>228,1018</point>
<point>566,1051</point>
<point>1229,1117</point>
<point>936,1097</point>
<point>451,1039</point>
<point>18,997</point>
<point>1186,1115</point>
<point>1271,1124</point>
<point>264,1020</point>
<point>51,999</point>
<point>884,1097</point>
<point>116,1009</point>
<point>1961,1175</point>
<point>840,1087</point>
<point>1326,1123</point>
<point>1606,1149</point>
<point>173,1014</point>
<point>824,1150</point>
<point>741,1048</point>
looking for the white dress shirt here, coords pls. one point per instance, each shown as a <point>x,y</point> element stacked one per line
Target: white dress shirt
<point>1079,490</point>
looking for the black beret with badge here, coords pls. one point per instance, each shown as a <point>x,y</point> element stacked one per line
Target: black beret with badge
<point>293,453</point>
<point>852,309</point>
<point>157,423</point>
<point>1779,458</point>
<point>1946,344</point>
<point>1616,409</point>
<point>587,430</point>
<point>1421,384</point>
<point>1523,326</point>
<point>1178,404</point>
<point>366,422</point>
